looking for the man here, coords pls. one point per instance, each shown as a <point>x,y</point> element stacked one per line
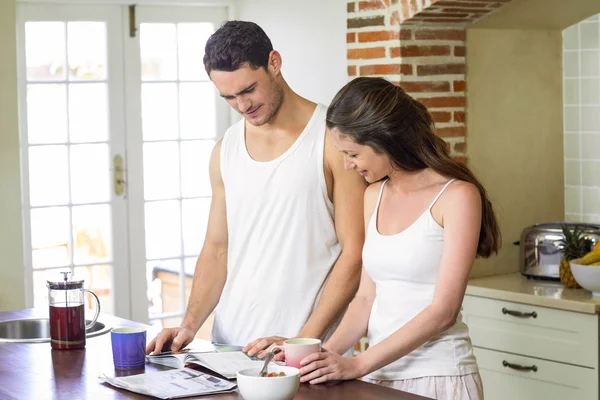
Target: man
<point>282,254</point>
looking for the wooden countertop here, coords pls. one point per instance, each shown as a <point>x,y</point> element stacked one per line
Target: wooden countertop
<point>516,288</point>
<point>34,370</point>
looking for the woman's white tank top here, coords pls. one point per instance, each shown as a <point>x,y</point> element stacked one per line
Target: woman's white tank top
<point>404,268</point>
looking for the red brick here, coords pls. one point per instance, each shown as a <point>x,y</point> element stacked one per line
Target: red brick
<point>459,86</point>
<point>440,34</point>
<point>350,37</point>
<point>453,131</point>
<point>420,51</point>
<point>460,147</point>
<point>373,52</point>
<point>377,36</point>
<point>370,5</point>
<point>460,51</point>
<point>351,70</point>
<point>362,22</point>
<point>386,69</point>
<point>438,86</point>
<point>380,36</point>
<point>441,116</point>
<point>459,116</point>
<point>350,7</point>
<point>439,102</point>
<point>440,69</point>
<point>395,17</point>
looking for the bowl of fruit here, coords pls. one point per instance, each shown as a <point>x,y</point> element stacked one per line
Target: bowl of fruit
<point>586,271</point>
<point>278,383</point>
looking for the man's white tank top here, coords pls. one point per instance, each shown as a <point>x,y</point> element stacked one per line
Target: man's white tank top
<point>282,239</point>
<point>404,268</point>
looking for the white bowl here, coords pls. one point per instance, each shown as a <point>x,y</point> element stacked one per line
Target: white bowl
<point>588,276</point>
<point>254,387</point>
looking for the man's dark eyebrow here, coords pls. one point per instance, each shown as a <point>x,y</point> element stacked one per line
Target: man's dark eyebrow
<point>250,87</point>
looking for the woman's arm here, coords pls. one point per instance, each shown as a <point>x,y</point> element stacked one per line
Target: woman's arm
<point>461,218</point>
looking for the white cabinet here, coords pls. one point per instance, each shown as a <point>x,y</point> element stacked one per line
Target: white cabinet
<point>532,352</point>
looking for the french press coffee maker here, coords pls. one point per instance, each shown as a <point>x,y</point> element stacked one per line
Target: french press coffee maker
<point>67,313</point>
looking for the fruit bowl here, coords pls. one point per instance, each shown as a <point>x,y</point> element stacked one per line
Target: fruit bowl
<point>588,276</point>
<point>254,387</point>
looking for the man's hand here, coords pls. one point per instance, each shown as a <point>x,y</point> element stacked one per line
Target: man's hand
<point>329,366</point>
<point>262,345</point>
<point>172,339</point>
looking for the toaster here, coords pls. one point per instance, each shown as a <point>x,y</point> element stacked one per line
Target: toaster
<point>539,249</point>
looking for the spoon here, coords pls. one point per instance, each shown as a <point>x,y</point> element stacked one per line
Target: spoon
<point>268,359</point>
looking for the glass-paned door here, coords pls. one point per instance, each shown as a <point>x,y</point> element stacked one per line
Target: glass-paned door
<point>180,118</point>
<point>72,129</point>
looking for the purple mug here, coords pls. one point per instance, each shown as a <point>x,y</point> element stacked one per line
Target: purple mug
<point>128,347</point>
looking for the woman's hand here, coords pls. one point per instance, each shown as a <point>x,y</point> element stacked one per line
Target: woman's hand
<point>329,366</point>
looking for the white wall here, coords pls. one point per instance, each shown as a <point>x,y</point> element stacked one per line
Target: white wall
<point>12,269</point>
<point>311,37</point>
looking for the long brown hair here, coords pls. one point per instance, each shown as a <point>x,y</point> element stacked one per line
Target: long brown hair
<point>381,115</point>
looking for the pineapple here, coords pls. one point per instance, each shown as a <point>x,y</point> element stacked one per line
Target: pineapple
<point>573,245</point>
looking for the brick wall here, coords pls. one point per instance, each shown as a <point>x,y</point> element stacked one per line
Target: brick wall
<point>421,46</point>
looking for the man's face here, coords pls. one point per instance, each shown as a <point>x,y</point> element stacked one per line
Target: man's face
<point>254,93</point>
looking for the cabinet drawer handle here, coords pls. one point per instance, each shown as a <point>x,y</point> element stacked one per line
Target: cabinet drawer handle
<point>519,313</point>
<point>519,367</point>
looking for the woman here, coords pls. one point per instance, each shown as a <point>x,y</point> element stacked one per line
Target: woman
<point>427,218</point>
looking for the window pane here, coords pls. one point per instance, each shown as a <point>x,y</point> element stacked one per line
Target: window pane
<point>191,39</point>
<point>159,111</point>
<point>158,51</point>
<point>46,113</point>
<point>88,112</point>
<point>92,235</point>
<point>195,158</point>
<point>90,173</point>
<point>197,110</point>
<point>98,279</point>
<point>48,175</point>
<point>163,229</point>
<point>195,220</point>
<point>163,286</point>
<point>161,170</point>
<point>87,50</point>
<point>45,50</point>
<point>50,236</point>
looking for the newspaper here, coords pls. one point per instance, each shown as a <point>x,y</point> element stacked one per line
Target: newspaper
<point>226,364</point>
<point>172,384</point>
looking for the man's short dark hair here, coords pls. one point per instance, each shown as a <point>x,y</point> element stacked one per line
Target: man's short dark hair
<point>235,44</point>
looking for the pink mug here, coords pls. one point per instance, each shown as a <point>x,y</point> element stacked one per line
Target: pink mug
<point>298,349</point>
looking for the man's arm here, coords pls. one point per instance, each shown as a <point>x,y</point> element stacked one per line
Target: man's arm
<point>346,189</point>
<point>211,268</point>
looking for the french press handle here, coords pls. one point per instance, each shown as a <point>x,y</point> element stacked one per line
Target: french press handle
<point>88,326</point>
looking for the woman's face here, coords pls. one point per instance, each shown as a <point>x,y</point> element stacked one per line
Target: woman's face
<point>361,158</point>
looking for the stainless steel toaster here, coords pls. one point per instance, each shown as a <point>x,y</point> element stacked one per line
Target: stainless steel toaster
<point>539,249</point>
